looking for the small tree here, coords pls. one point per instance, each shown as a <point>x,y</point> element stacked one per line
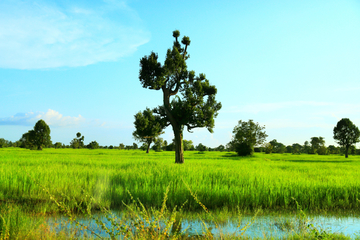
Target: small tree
<point>93,145</point>
<point>269,147</point>
<point>121,146</point>
<point>201,148</point>
<point>346,134</point>
<point>246,136</point>
<point>188,145</point>
<point>58,145</point>
<point>147,127</point>
<point>158,144</point>
<point>316,143</point>
<point>77,142</point>
<point>3,143</point>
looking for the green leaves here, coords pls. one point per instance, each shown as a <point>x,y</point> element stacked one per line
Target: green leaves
<point>151,73</point>
<point>248,134</point>
<point>38,138</point>
<point>346,133</point>
<point>147,126</point>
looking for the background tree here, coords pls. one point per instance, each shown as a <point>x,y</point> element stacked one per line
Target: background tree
<point>147,127</point>
<point>296,148</point>
<point>278,147</point>
<point>201,148</point>
<point>316,143</point>
<point>346,134</point>
<point>333,150</point>
<point>158,144</point>
<point>3,143</point>
<point>77,142</point>
<point>246,136</point>
<point>193,101</point>
<point>38,138</point>
<point>93,145</point>
<point>220,148</point>
<point>58,145</point>
<point>306,148</point>
<point>188,145</point>
<point>268,148</point>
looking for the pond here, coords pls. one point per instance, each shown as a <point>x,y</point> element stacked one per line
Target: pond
<point>251,226</point>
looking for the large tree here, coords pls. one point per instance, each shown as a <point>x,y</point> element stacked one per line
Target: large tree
<point>37,138</point>
<point>346,134</point>
<point>188,100</point>
<point>147,127</point>
<point>246,136</point>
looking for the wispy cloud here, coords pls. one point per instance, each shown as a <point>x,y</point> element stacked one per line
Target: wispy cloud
<point>270,107</point>
<point>37,34</point>
<point>51,117</point>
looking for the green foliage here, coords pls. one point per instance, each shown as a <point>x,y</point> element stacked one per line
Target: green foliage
<point>3,143</point>
<point>158,144</point>
<point>188,145</point>
<point>147,127</point>
<point>296,148</point>
<point>322,150</point>
<point>58,145</point>
<point>247,135</point>
<point>77,142</point>
<point>269,148</point>
<point>37,138</point>
<point>244,149</point>
<point>93,145</point>
<point>277,146</point>
<point>346,134</point>
<point>201,148</point>
<point>316,143</point>
<point>188,100</point>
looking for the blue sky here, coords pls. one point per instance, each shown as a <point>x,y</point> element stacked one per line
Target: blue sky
<point>292,66</point>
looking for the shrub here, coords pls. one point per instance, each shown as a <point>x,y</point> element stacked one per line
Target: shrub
<point>244,149</point>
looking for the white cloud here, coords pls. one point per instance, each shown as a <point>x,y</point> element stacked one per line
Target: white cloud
<point>36,34</point>
<point>51,117</point>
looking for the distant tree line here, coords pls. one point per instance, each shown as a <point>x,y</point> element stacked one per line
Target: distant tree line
<point>249,137</point>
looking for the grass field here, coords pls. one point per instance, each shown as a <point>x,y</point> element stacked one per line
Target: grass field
<point>221,180</point>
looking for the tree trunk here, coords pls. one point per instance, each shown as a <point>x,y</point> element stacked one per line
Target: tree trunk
<point>346,152</point>
<point>179,150</point>
<point>147,150</point>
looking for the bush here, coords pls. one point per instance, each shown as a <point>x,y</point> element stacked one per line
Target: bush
<point>322,151</point>
<point>244,149</point>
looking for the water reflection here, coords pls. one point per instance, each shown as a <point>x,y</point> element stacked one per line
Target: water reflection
<point>269,226</point>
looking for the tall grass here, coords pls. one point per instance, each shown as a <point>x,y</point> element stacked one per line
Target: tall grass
<point>220,180</point>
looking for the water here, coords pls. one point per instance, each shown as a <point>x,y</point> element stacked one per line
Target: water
<point>269,226</point>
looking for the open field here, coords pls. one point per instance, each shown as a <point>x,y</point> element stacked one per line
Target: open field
<point>221,180</point>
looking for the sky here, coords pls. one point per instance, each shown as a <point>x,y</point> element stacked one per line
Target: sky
<point>291,66</point>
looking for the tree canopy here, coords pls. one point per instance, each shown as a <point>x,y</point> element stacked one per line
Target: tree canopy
<point>147,127</point>
<point>188,100</point>
<point>346,134</point>
<point>37,138</point>
<point>246,136</point>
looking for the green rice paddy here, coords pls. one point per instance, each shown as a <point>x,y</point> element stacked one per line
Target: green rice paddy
<point>220,180</point>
